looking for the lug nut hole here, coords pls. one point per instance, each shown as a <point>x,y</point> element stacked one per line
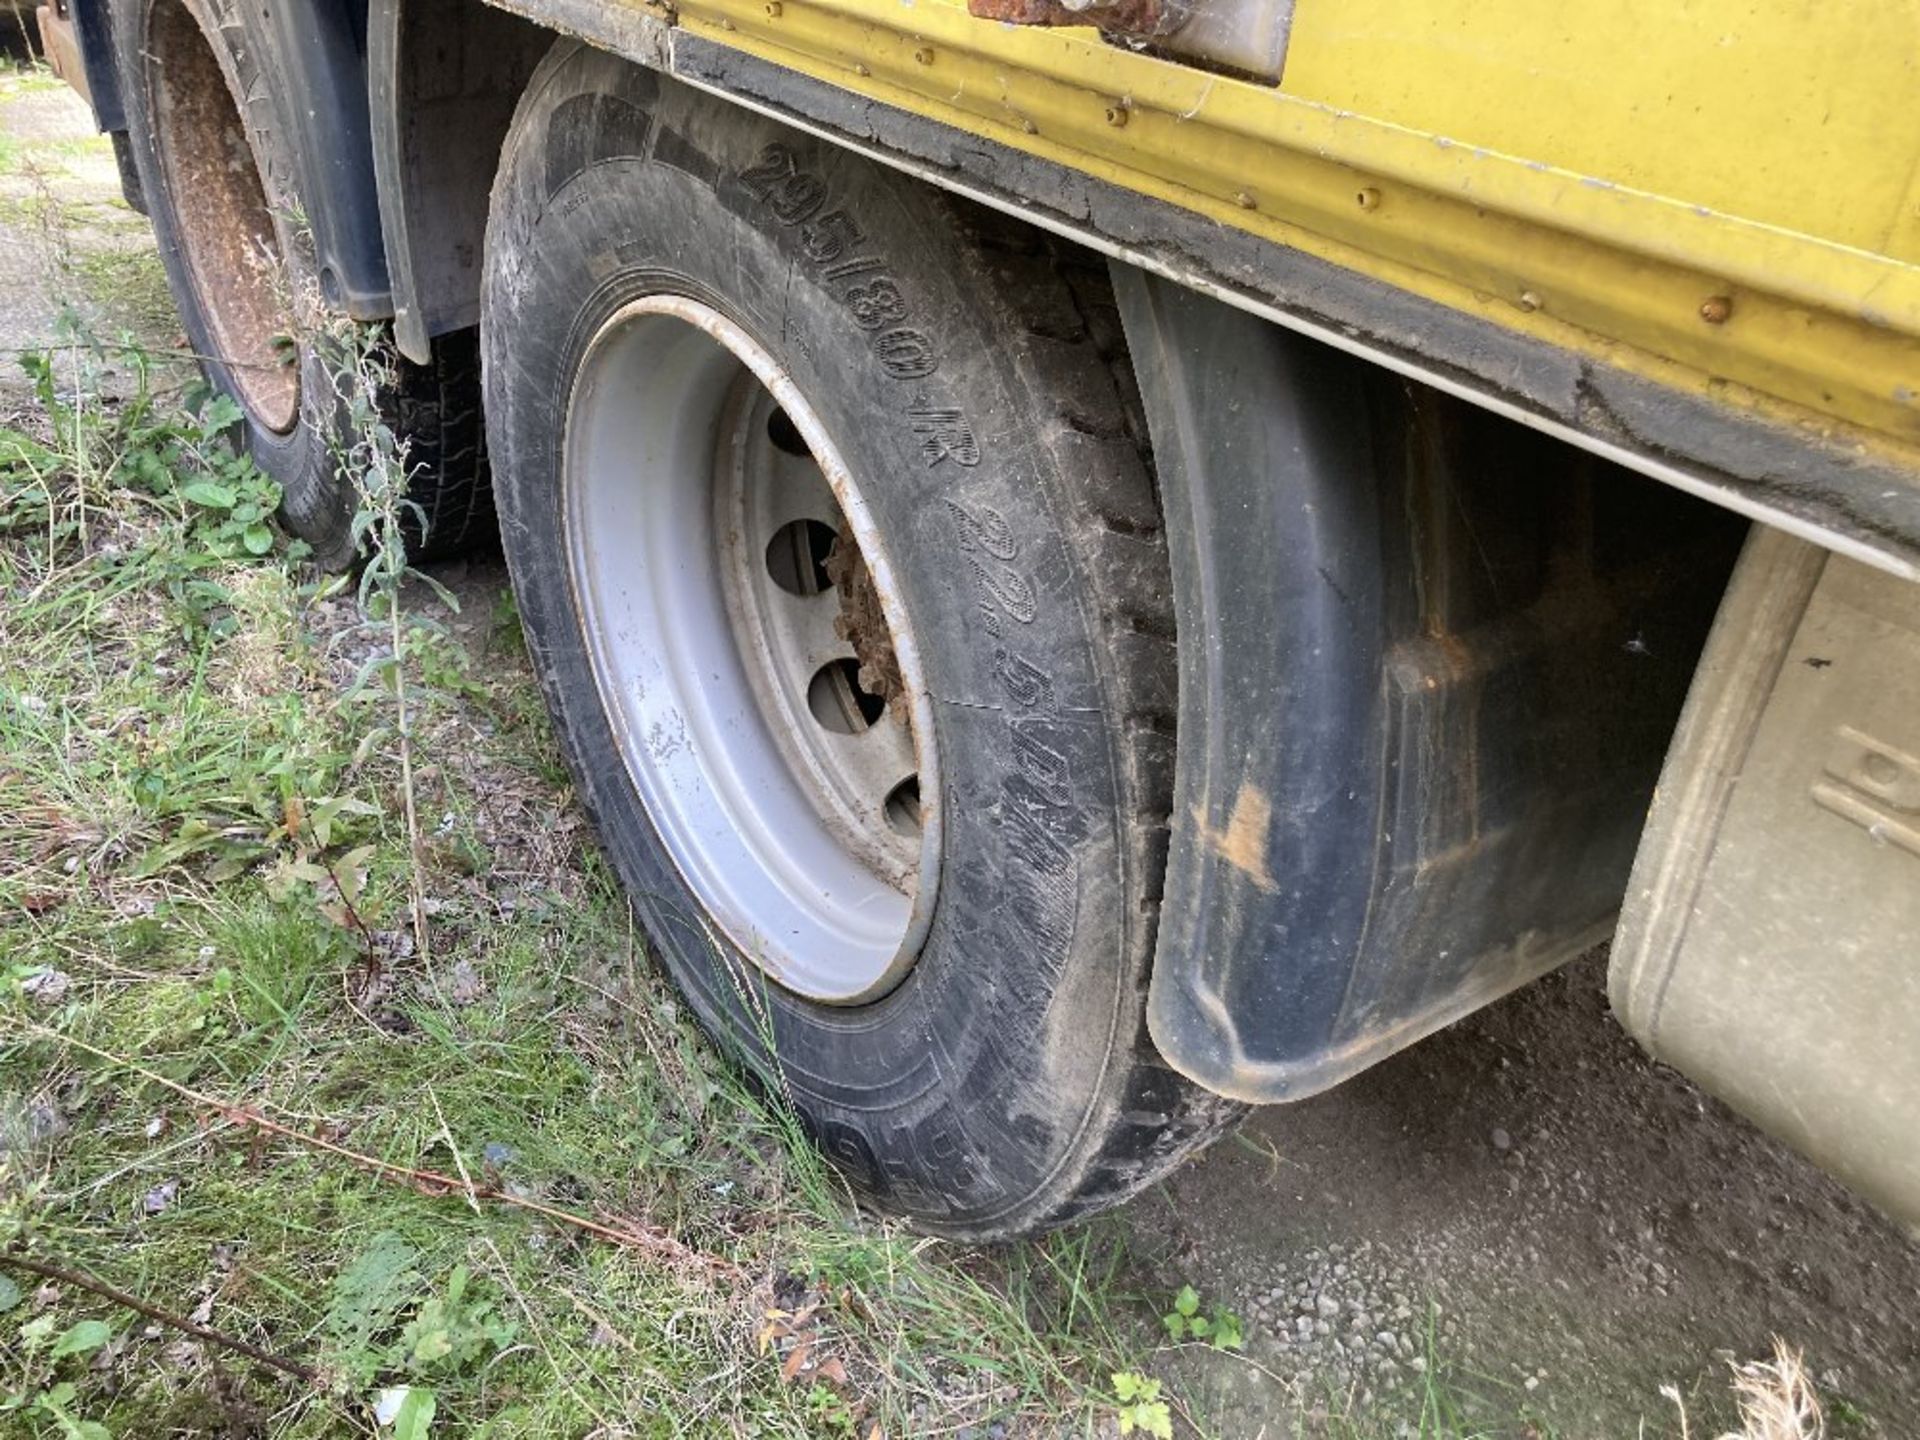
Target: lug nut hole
<point>797,557</point>
<point>785,435</point>
<point>903,806</point>
<point>838,701</point>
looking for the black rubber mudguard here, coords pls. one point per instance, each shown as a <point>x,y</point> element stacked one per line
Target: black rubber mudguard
<point>1429,663</point>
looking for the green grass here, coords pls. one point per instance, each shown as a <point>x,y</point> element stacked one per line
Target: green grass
<point>190,778</point>
<point>32,79</point>
<point>130,286</point>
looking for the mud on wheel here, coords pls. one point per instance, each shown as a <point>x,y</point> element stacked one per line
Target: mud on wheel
<point>217,172</point>
<point>841,569</point>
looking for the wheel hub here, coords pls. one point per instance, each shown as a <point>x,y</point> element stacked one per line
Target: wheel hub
<point>751,649</point>
<point>227,232</point>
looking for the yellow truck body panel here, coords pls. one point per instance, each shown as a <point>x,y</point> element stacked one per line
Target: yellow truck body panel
<point>1796,116</point>
<point>1722,197</point>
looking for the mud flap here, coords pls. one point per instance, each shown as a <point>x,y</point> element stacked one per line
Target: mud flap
<point>1770,943</point>
<point>1429,663</point>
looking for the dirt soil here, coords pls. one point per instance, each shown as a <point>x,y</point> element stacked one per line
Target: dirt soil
<point>1587,1224</point>
<point>1524,1201</point>
<point>63,232</point>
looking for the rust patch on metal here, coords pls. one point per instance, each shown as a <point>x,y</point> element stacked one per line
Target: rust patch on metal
<point>1243,843</point>
<point>1141,19</point>
<point>61,46</point>
<point>862,623</point>
<point>224,216</point>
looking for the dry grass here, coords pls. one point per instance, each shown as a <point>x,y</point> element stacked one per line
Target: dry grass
<point>1776,1397</point>
<point>1777,1400</point>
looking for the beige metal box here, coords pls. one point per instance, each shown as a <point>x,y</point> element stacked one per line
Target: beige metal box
<point>1770,941</point>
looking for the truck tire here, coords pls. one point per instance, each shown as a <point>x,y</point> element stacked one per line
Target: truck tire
<point>217,174</point>
<point>738,383</point>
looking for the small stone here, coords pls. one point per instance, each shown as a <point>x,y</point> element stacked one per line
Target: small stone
<point>47,986</point>
<point>160,1197</point>
<point>1501,1139</point>
<point>45,1122</point>
<point>1321,1327</point>
<point>1532,1383</point>
<point>465,986</point>
<point>1418,1364</point>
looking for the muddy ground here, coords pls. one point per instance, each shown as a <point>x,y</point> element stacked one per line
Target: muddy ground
<point>1525,1201</point>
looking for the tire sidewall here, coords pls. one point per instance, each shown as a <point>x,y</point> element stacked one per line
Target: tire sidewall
<point>967,1095</point>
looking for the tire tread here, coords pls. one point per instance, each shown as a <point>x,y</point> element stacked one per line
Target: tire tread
<point>436,407</point>
<point>1100,438</point>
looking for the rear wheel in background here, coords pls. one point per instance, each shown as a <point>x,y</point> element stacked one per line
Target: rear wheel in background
<point>217,176</point>
<point>842,573</point>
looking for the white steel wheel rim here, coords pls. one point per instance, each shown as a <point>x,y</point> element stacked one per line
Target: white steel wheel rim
<point>709,664</point>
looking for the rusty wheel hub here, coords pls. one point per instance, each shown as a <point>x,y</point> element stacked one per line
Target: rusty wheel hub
<point>225,225</point>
